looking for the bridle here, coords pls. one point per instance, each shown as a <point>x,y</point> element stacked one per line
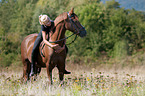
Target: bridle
<point>75,33</point>
<point>73,24</point>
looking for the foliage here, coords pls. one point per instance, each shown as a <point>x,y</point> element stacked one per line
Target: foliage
<point>106,26</point>
<point>110,29</point>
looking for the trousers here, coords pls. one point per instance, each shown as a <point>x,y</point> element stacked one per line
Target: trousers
<point>35,49</point>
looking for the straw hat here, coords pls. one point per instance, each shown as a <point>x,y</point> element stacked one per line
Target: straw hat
<point>44,19</point>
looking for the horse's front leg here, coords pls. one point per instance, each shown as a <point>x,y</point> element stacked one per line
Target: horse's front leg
<point>61,76</point>
<point>61,68</point>
<point>49,73</point>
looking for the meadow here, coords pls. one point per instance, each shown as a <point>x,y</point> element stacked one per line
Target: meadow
<point>85,80</point>
<point>112,31</point>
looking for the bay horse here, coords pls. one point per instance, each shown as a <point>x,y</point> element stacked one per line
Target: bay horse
<point>65,21</point>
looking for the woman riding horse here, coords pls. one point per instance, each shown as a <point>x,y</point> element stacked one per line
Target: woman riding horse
<point>46,26</point>
<point>51,57</point>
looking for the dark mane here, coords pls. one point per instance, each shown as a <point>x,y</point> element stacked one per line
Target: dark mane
<point>60,18</point>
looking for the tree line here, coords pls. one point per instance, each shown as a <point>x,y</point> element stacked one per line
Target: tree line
<point>111,29</point>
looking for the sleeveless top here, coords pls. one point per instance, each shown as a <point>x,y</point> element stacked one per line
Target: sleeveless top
<point>47,29</point>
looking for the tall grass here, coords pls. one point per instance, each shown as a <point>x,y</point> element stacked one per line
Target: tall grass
<point>84,81</point>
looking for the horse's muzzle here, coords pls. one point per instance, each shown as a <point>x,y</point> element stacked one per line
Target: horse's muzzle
<point>82,32</point>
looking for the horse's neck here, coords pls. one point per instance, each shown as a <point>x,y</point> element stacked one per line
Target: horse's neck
<point>58,34</point>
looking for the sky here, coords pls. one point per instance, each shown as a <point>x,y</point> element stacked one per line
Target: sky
<point>138,5</point>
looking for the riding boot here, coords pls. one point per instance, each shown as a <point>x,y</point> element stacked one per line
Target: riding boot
<point>32,72</point>
<point>67,72</point>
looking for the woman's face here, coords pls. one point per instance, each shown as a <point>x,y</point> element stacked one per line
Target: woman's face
<point>48,24</point>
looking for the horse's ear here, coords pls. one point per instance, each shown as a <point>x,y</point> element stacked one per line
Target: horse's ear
<point>71,11</point>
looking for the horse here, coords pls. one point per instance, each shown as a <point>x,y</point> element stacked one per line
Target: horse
<point>65,21</point>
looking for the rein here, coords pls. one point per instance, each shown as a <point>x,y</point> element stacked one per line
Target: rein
<point>64,39</point>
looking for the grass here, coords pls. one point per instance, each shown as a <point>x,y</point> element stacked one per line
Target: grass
<point>83,81</point>
<point>103,77</point>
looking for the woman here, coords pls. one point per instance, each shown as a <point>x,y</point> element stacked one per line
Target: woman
<point>46,25</point>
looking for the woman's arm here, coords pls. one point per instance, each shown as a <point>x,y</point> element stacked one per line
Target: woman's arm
<point>57,48</point>
<point>46,42</point>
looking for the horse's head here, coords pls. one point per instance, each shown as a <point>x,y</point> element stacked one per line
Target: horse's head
<point>74,25</point>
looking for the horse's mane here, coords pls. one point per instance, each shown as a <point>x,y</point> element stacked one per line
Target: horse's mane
<point>60,18</point>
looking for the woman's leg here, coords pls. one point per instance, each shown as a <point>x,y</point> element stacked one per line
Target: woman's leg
<point>34,54</point>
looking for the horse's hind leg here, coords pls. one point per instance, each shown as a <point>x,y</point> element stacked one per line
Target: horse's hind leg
<point>26,69</point>
<point>25,72</point>
<point>38,70</point>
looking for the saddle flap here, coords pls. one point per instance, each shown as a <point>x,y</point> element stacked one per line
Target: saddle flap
<point>41,48</point>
